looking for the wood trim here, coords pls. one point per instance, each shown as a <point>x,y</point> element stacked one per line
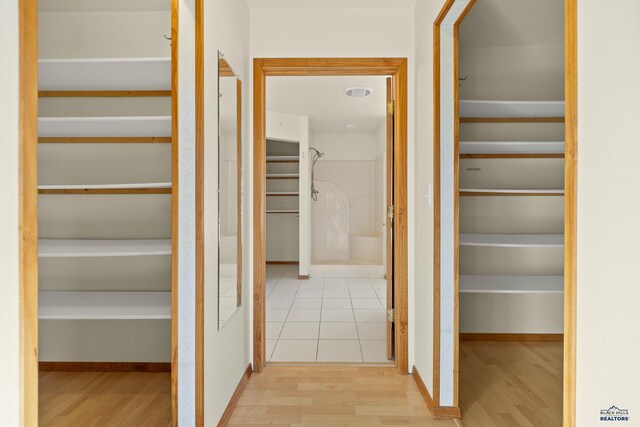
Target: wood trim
<point>511,337</point>
<point>228,412</point>
<point>397,67</point>
<point>103,93</point>
<point>515,193</point>
<point>259,215</point>
<point>199,194</point>
<point>28,210</point>
<point>400,219</point>
<point>436,198</point>
<point>388,221</point>
<point>108,139</point>
<point>82,191</point>
<point>303,277</point>
<point>239,189</point>
<point>282,263</point>
<point>437,412</point>
<point>512,156</point>
<point>104,367</point>
<point>511,119</point>
<point>175,203</point>
<point>570,212</point>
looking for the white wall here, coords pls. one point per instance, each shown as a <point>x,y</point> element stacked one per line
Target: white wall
<point>608,128</point>
<point>422,333</point>
<point>226,351</point>
<point>9,290</point>
<point>344,32</point>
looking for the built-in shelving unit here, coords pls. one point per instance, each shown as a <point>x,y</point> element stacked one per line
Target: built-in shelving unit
<point>489,283</point>
<point>67,305</point>
<point>104,118</point>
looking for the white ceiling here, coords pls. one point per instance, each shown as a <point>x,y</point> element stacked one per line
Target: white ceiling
<point>514,23</point>
<point>322,99</point>
<point>328,4</point>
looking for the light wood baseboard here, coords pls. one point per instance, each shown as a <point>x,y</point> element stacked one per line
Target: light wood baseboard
<point>438,412</point>
<point>104,367</point>
<point>226,416</point>
<point>512,337</point>
<point>282,263</point>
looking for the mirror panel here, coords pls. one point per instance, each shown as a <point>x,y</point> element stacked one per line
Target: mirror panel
<point>229,192</point>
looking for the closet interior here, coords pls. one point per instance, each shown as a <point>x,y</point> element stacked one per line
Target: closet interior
<point>511,188</point>
<point>104,184</point>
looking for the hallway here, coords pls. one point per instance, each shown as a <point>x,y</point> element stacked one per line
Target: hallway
<point>348,396</point>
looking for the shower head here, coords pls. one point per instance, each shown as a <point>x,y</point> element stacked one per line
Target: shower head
<point>318,153</point>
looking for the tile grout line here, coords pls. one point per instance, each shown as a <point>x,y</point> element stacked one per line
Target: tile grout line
<point>320,321</point>
<point>286,317</point>
<point>353,313</point>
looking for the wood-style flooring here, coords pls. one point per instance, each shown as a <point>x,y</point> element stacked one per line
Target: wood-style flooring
<point>102,399</point>
<point>511,384</point>
<point>332,396</point>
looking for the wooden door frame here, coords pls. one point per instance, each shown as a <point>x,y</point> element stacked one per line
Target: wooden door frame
<point>570,209</point>
<point>28,211</point>
<point>264,67</point>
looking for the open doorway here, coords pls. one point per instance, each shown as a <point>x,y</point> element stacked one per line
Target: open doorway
<point>505,181</point>
<point>326,206</point>
<point>322,290</point>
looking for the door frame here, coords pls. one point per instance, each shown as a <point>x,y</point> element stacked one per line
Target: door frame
<point>395,67</point>
<point>28,211</point>
<point>570,210</point>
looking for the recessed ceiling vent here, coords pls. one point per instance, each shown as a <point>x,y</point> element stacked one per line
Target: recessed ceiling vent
<point>358,92</point>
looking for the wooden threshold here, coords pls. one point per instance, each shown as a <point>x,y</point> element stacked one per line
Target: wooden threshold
<point>104,366</point>
<point>511,119</point>
<point>226,416</point>
<point>511,337</point>
<point>103,93</point>
<point>81,191</point>
<point>105,140</point>
<point>512,156</point>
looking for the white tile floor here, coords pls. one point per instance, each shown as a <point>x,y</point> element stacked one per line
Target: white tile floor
<point>325,320</point>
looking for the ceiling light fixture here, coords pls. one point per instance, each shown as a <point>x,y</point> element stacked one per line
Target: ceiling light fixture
<point>358,91</point>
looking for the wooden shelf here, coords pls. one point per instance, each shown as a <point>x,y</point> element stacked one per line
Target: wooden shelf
<point>512,240</point>
<point>283,159</point>
<point>283,176</point>
<point>479,192</point>
<point>146,188</point>
<point>66,305</point>
<point>283,193</point>
<point>282,211</point>
<point>511,284</point>
<point>69,127</point>
<point>479,111</point>
<point>104,74</point>
<point>511,149</point>
<point>85,248</point>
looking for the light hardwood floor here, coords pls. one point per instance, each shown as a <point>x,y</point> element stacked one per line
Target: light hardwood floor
<point>511,384</point>
<point>349,396</point>
<point>104,399</point>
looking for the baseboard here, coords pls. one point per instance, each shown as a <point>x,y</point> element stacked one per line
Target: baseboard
<point>104,367</point>
<point>438,412</point>
<point>303,277</point>
<point>226,416</point>
<point>512,337</point>
<point>283,263</point>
